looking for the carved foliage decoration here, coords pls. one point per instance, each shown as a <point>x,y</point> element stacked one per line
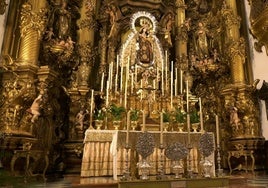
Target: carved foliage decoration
<point>259,23</point>
<point>32,20</point>
<point>90,21</point>
<point>3,6</point>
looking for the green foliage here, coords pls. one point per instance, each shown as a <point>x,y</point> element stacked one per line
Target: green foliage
<point>134,115</point>
<point>180,116</point>
<point>166,117</point>
<point>194,117</point>
<point>100,115</point>
<point>117,112</point>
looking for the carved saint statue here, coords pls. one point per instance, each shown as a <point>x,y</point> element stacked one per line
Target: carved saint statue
<point>60,22</point>
<point>201,41</point>
<point>144,46</point>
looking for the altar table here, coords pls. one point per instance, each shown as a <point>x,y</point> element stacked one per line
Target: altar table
<point>104,152</point>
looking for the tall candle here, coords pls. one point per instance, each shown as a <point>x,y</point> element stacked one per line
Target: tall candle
<point>136,73</point>
<point>128,125</point>
<point>143,120</point>
<point>121,78</point>
<point>181,86</point>
<point>92,101</point>
<point>154,85</point>
<point>176,87</point>
<point>107,93</point>
<point>162,79</point>
<point>187,96</point>
<point>217,130</point>
<point>171,89</point>
<point>132,82</point>
<point>126,85</point>
<point>201,115</point>
<point>161,129</point>
<point>102,81</point>
<point>117,63</point>
<point>115,87</point>
<point>111,76</point>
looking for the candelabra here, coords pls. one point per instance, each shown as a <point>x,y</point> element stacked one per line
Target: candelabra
<point>161,172</point>
<point>126,174</point>
<point>219,170</point>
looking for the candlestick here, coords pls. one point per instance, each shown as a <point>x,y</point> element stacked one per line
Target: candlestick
<point>176,87</point>
<point>111,76</point>
<point>117,63</point>
<point>136,73</point>
<point>143,120</point>
<point>107,93</point>
<point>132,82</point>
<point>181,86</point>
<point>201,115</point>
<point>154,87</point>
<point>102,81</point>
<point>161,129</point>
<point>121,78</point>
<point>162,79</point>
<point>92,101</point>
<point>188,128</point>
<point>217,130</point>
<point>126,85</point>
<point>171,89</point>
<point>187,96</point>
<point>116,78</point>
<point>128,125</point>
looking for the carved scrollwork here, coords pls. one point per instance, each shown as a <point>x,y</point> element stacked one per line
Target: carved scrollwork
<point>90,21</point>
<point>32,21</point>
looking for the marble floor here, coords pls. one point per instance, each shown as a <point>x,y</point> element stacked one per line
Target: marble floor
<point>7,181</point>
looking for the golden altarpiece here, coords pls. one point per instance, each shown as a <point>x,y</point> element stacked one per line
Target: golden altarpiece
<point>63,61</point>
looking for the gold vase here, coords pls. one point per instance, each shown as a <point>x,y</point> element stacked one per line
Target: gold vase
<point>166,126</point>
<point>134,125</point>
<point>195,126</point>
<point>98,124</point>
<point>180,126</point>
<point>116,124</point>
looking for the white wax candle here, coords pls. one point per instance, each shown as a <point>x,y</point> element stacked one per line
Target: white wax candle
<point>102,81</point>
<point>143,120</point>
<point>136,74</point>
<point>187,96</point>
<point>162,79</point>
<point>132,82</point>
<point>126,85</point>
<point>117,63</point>
<point>111,76</point>
<point>176,87</point>
<point>107,93</point>
<point>121,78</point>
<point>217,130</point>
<point>181,86</point>
<point>161,128</point>
<point>115,87</point>
<point>201,115</point>
<point>171,89</point>
<point>128,125</point>
<point>92,101</point>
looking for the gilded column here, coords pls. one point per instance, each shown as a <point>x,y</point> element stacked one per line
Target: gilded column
<point>236,43</point>
<point>32,24</point>
<point>181,30</point>
<point>86,42</point>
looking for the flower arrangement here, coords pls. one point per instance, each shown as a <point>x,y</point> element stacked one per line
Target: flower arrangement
<point>194,117</point>
<point>166,117</point>
<point>100,115</point>
<point>116,112</point>
<point>180,116</point>
<point>134,115</point>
